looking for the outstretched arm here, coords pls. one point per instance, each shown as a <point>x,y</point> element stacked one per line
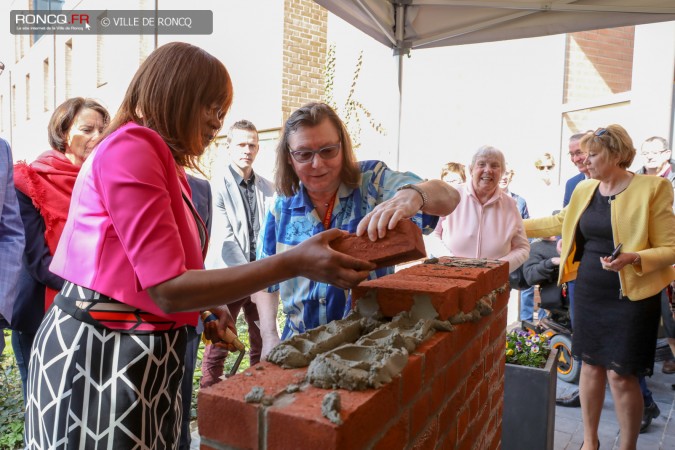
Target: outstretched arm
<point>314,259</point>
<point>441,200</point>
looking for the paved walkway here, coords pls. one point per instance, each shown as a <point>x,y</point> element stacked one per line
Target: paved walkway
<point>659,436</point>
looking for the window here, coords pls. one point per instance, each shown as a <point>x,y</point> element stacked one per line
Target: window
<point>13,105</point>
<point>45,5</point>
<point>101,77</point>
<point>68,66</point>
<point>46,86</point>
<point>27,96</point>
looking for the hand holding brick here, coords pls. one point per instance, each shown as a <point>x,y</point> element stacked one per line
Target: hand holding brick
<point>402,244</point>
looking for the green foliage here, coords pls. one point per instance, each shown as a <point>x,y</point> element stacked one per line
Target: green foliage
<point>353,111</point>
<point>527,348</point>
<point>11,399</point>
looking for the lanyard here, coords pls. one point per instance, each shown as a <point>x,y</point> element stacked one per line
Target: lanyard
<point>329,213</point>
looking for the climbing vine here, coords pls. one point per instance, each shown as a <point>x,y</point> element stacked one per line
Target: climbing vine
<point>353,112</point>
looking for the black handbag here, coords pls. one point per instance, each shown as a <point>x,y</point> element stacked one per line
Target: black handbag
<point>553,296</point>
<point>517,279</point>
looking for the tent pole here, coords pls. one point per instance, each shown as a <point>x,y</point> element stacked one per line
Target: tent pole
<point>400,110</point>
<point>402,48</point>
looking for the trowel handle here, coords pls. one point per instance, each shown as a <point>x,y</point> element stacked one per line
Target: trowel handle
<point>227,336</point>
<point>232,338</point>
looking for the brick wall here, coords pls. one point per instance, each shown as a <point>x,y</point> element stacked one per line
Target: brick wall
<point>304,47</point>
<point>598,63</point>
<point>449,395</point>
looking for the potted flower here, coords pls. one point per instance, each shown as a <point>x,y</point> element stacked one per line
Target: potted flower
<point>526,348</point>
<point>529,392</point>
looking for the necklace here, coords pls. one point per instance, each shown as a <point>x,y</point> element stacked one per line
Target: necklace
<point>622,187</point>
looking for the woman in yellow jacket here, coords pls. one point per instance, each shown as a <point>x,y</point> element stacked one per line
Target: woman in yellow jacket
<point>616,307</point>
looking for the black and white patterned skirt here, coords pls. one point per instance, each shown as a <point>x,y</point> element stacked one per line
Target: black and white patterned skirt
<point>93,388</point>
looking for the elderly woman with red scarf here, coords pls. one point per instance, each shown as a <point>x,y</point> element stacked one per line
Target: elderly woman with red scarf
<point>44,188</point>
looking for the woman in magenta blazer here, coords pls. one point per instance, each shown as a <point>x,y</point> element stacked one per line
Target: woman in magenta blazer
<point>107,362</point>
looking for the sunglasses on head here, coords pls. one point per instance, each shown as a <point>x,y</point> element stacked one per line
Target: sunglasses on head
<point>600,132</point>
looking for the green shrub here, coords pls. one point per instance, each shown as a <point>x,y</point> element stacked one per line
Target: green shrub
<point>11,399</point>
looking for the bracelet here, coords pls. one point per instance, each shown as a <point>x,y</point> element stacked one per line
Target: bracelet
<point>419,190</point>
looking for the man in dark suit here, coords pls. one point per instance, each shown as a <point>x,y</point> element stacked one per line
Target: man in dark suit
<point>240,201</point>
<point>656,154</point>
<point>578,158</point>
<point>12,239</point>
<point>201,199</point>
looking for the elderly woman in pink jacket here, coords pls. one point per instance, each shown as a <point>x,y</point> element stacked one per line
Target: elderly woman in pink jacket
<point>486,223</point>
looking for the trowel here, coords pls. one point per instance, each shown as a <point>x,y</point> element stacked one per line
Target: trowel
<point>232,338</point>
<point>229,338</point>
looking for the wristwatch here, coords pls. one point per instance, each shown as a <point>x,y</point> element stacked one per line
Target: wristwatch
<point>419,190</point>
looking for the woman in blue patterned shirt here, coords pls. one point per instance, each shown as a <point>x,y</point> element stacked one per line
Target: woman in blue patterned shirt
<point>321,185</point>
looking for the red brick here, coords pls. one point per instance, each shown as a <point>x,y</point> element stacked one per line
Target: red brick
<point>448,419</point>
<point>203,446</point>
<point>364,414</point>
<point>437,351</point>
<point>396,437</point>
<point>439,391</point>
<point>492,377</point>
<point>226,398</point>
<point>454,376</point>
<point>465,297</point>
<point>483,391</point>
<point>468,294</point>
<point>402,244</point>
<point>493,275</point>
<point>481,419</point>
<point>428,438</point>
<point>411,379</point>
<point>502,302</point>
<point>420,413</point>
<point>474,380</point>
<point>496,442</point>
<point>497,330</point>
<point>496,398</point>
<point>395,295</point>
<point>465,333</point>
<point>463,423</point>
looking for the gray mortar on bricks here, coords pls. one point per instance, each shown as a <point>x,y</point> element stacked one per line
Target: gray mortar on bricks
<point>364,350</point>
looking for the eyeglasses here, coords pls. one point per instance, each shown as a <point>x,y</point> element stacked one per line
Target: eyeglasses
<point>576,154</point>
<point>544,167</point>
<point>654,152</point>
<point>306,156</point>
<point>215,111</point>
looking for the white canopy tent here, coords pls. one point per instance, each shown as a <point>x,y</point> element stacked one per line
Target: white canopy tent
<point>437,23</point>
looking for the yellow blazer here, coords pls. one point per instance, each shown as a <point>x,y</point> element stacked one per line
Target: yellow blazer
<point>642,219</point>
